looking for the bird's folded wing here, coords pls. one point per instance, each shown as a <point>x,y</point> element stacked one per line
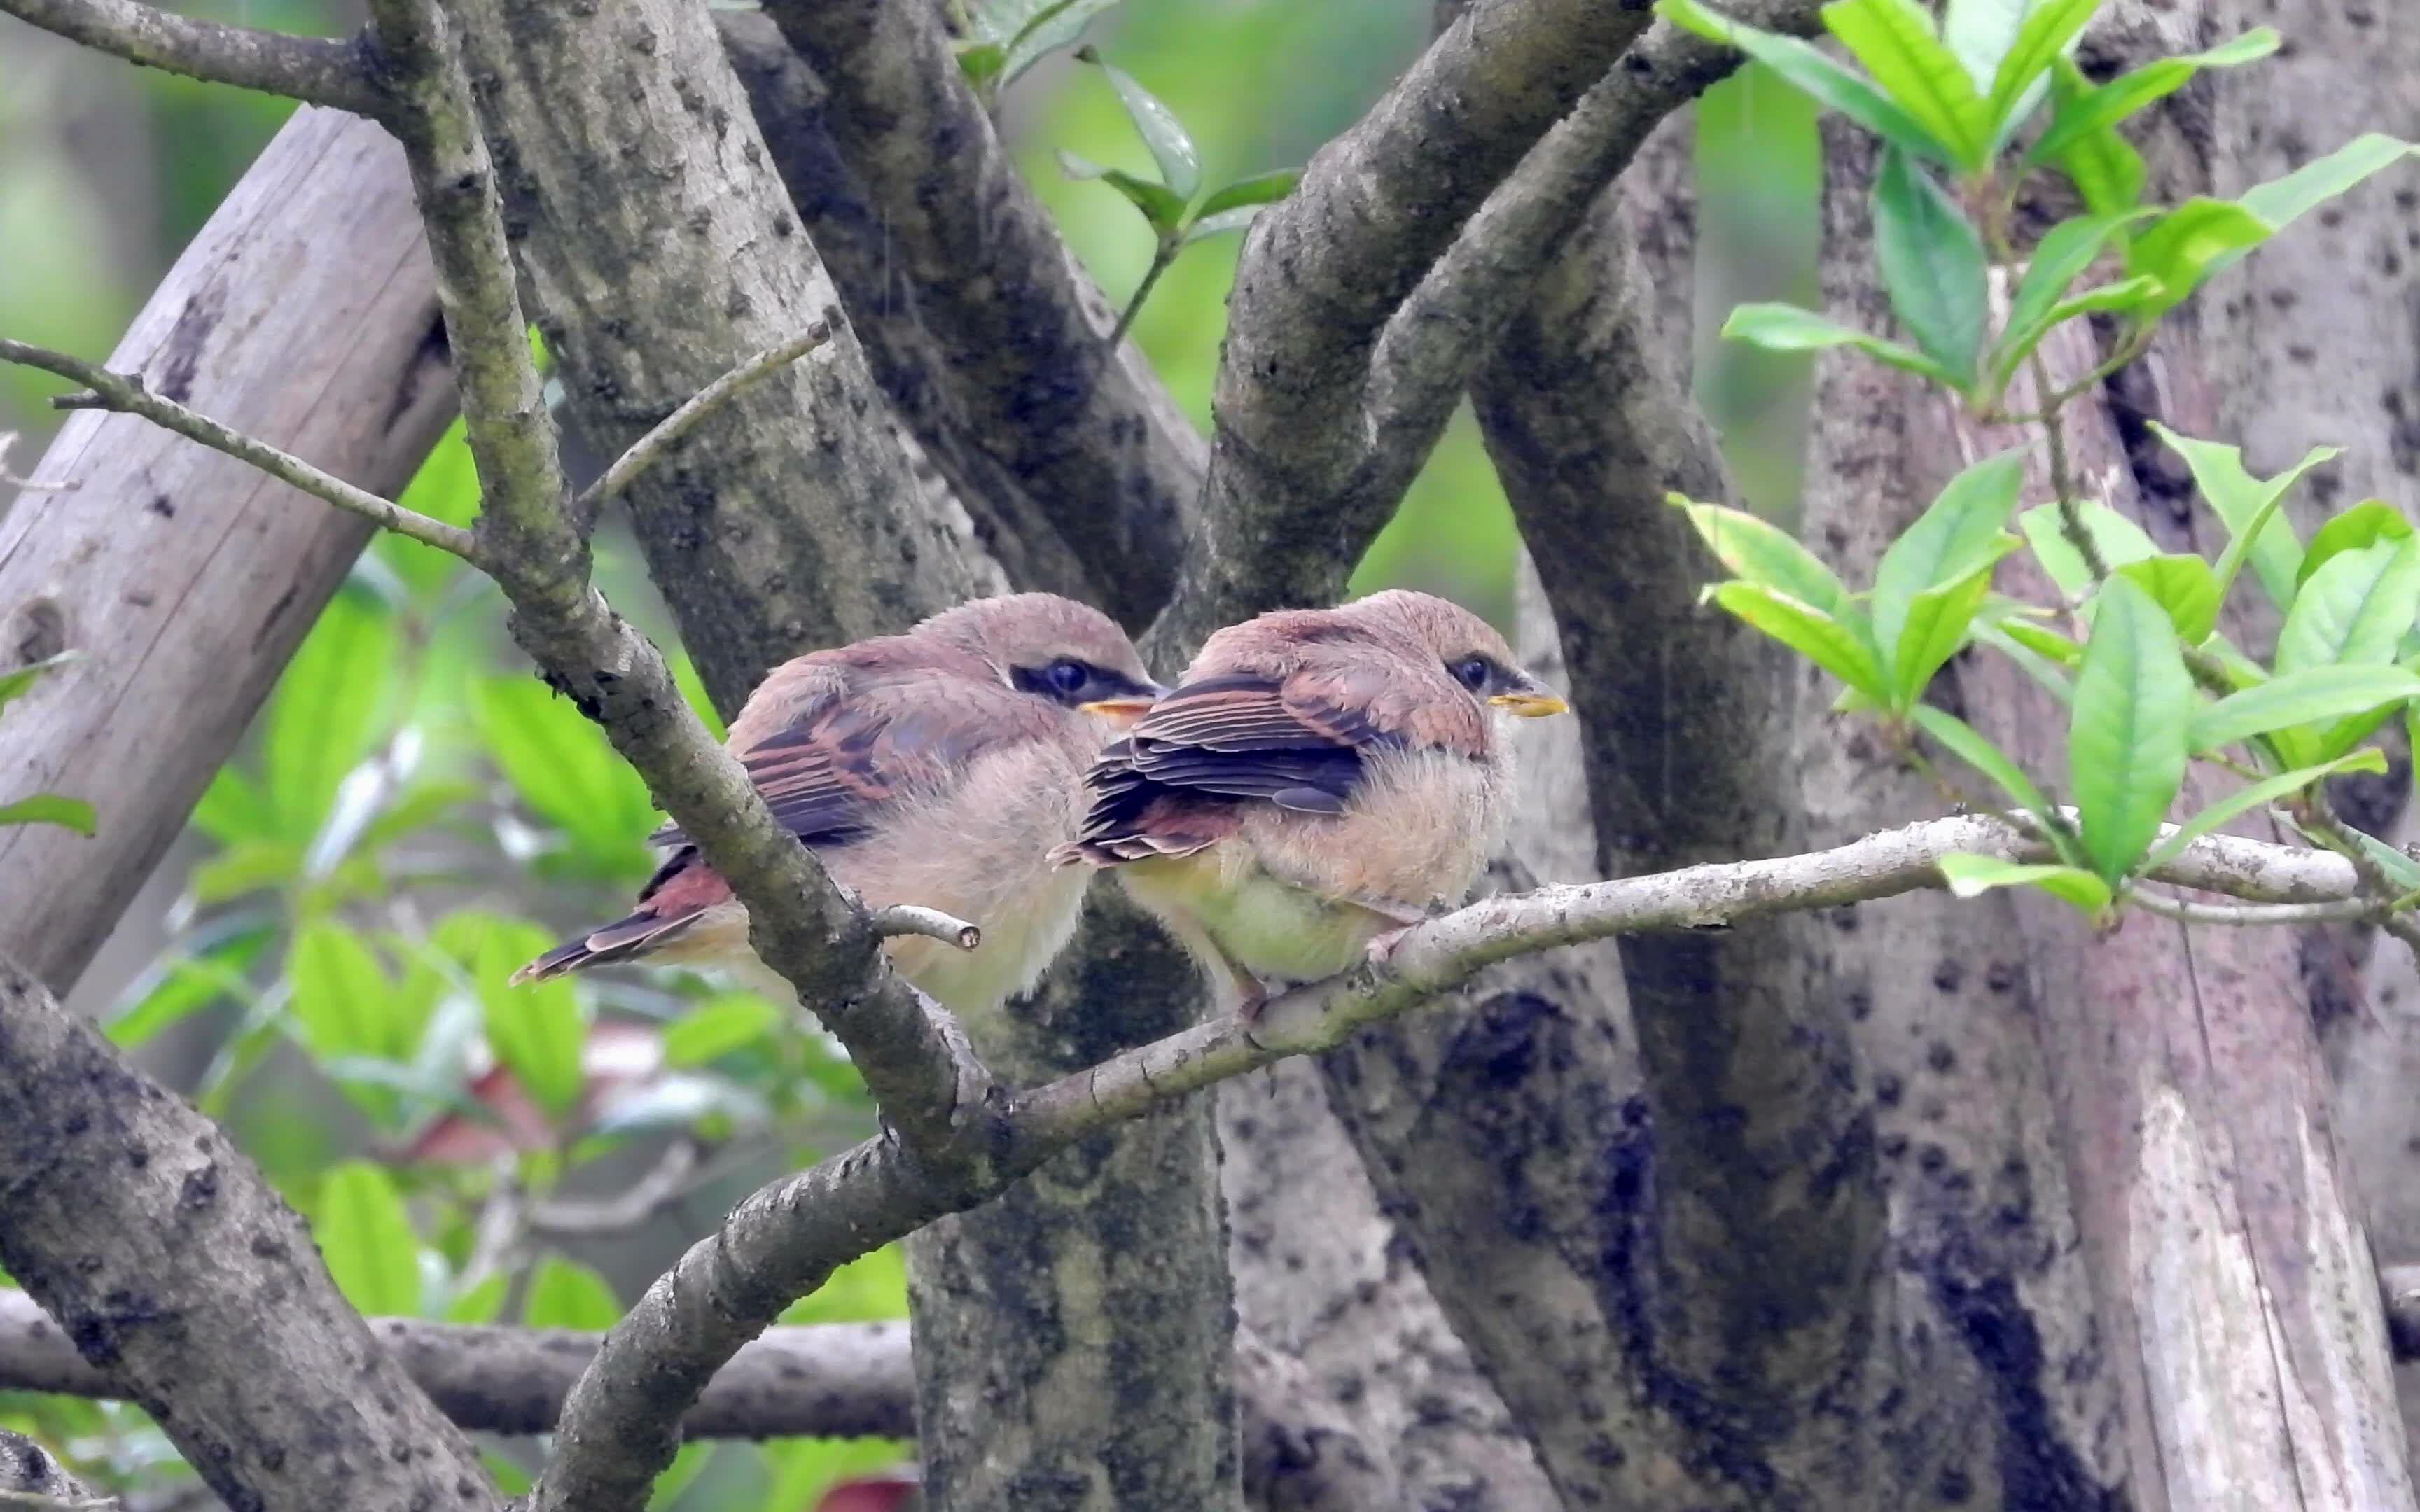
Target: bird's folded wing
<point>841,760</point>
<point>1298,742</point>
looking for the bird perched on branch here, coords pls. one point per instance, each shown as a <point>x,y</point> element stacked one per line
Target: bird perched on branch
<point>1320,779</point>
<point>939,768</point>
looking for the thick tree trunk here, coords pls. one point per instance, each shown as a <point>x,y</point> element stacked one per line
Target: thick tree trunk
<point>1074,1344</point>
<point>304,313</point>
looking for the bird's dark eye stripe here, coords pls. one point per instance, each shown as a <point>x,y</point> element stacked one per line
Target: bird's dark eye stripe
<point>1063,680</point>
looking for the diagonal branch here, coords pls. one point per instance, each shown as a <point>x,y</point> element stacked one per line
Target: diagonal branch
<point>128,395</point>
<point>160,1247</point>
<point>977,319</point>
<point>914,1060</point>
<point>1287,512</point>
<point>317,70</point>
<point>655,444</point>
<point>617,1433</point>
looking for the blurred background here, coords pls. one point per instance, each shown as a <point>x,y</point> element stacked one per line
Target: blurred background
<point>319,963</point>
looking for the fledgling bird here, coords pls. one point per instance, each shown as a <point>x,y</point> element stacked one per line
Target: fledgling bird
<point>938,767</point>
<point>1319,779</point>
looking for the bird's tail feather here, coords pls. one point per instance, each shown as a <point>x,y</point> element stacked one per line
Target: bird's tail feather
<point>625,939</point>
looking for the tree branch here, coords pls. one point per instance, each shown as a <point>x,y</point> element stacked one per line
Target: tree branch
<point>705,401</point>
<point>313,68</point>
<point>1287,511</point>
<point>914,1060</point>
<point>201,1264</point>
<point>128,396</point>
<point>978,321</point>
<point>824,1380</point>
<point>617,1433</point>
<point>1450,327</point>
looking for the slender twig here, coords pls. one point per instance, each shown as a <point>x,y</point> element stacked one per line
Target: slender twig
<point>786,1239</point>
<point>127,395</point>
<point>2062,479</point>
<point>313,68</point>
<point>7,479</point>
<point>933,924</point>
<point>665,1183</point>
<point>2185,911</point>
<point>647,448</point>
<point>1161,256</point>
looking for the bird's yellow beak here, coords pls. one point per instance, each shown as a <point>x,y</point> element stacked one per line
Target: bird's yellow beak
<point>1125,711</point>
<point>1530,705</point>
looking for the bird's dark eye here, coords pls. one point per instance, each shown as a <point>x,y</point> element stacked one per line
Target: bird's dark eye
<point>1472,673</point>
<point>1067,676</point>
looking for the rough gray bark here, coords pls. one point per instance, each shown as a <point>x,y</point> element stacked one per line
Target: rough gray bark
<point>2334,298</point>
<point>1083,475</point>
<point>661,250</point>
<point>837,1380</point>
<point>303,312</point>
<point>160,1248</point>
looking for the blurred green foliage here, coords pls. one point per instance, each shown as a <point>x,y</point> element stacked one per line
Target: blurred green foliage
<point>413,815</point>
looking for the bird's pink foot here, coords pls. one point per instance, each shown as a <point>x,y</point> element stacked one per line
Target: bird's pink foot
<point>1382,947</point>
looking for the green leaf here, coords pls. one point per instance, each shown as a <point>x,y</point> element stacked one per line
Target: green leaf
<point>341,994</point>
<point>1936,624</point>
<point>2189,243</point>
<point>2280,202</point>
<point>2299,697</point>
<point>1162,206</point>
<point>1810,632</point>
<point>1981,32</point>
<point>567,1294</point>
<point>2183,585</point>
<point>2248,505</point>
<point>2400,869</point>
<point>1786,327</point>
<point>1931,262</point>
<point>1968,745</point>
<point>2043,641</point>
<point>184,986</point>
<point>2059,259</point>
<point>1207,226</point>
<point>2126,735</point>
<point>1963,528</point>
<point>2121,540</point>
<point>1046,29</point>
<point>1895,40</point>
<point>566,772</point>
<point>537,1029</point>
<point>2104,167</point>
<point>2246,800</point>
<point>2366,523</point>
<point>2355,608</point>
<point>803,1472</point>
<point>1801,66</point>
<point>50,808</point>
<point>981,62</point>
<point>481,1304</point>
<point>1765,554</point>
<point>716,1027</point>
<point>1971,876</point>
<point>13,684</point>
<point>233,808</point>
<point>367,1237</point>
<point>330,710</point>
<point>1253,193</point>
<point>2092,111</point>
<point>2047,32</point>
<point>2046,671</point>
<point>1180,164</point>
<point>246,866</point>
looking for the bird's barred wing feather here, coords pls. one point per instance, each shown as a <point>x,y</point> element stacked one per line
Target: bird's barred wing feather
<point>1174,784</point>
